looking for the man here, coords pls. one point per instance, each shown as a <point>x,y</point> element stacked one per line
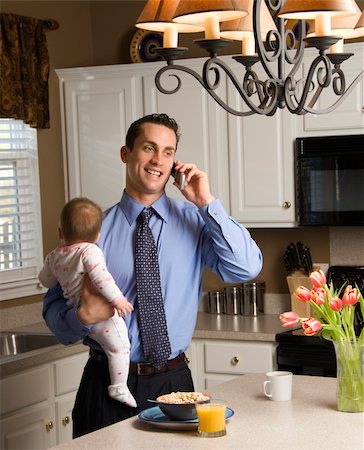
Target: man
<point>188,236</point>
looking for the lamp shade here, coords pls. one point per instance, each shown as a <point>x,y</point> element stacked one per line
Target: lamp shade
<point>157,14</point>
<point>341,26</point>
<point>236,29</point>
<point>359,28</point>
<point>196,11</point>
<point>308,9</point>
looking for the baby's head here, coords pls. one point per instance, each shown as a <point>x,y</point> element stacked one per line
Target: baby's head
<point>80,221</point>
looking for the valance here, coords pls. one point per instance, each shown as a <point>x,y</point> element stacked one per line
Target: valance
<point>24,69</point>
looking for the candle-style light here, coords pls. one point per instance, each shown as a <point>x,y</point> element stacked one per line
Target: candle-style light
<point>243,30</point>
<point>342,27</point>
<point>157,15</point>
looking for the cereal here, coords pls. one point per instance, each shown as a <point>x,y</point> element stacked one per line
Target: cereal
<point>182,397</point>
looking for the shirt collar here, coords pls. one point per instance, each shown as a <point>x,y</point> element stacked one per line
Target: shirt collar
<point>131,208</point>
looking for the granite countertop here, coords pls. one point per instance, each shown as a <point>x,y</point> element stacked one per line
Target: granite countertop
<point>309,419</point>
<point>208,326</point>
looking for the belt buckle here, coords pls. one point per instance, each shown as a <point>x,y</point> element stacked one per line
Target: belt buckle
<point>141,368</point>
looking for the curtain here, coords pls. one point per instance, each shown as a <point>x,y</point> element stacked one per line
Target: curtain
<point>24,70</point>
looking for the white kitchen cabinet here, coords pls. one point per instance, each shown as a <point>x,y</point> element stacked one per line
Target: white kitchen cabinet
<point>36,404</point>
<point>217,361</point>
<point>348,118</point>
<point>31,428</point>
<point>99,103</point>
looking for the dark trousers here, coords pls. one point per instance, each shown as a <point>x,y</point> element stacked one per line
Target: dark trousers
<point>95,409</point>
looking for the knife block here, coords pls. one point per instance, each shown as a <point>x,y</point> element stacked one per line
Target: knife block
<point>294,281</point>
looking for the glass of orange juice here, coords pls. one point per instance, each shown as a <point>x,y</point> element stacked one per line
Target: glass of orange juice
<point>211,418</point>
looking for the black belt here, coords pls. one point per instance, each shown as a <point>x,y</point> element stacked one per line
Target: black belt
<point>143,368</point>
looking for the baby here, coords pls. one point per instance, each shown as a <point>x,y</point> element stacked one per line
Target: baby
<point>68,265</point>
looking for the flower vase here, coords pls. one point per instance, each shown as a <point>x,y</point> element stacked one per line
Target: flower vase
<point>350,375</point>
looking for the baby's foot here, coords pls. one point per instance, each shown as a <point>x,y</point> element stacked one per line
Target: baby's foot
<point>121,393</point>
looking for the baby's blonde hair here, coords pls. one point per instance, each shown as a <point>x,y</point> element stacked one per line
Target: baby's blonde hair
<point>81,220</point>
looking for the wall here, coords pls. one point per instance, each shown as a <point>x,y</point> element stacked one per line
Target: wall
<point>98,33</point>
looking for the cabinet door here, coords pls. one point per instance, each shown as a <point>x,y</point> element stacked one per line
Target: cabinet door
<point>261,165</point>
<point>349,116</point>
<point>203,126</point>
<point>32,429</point>
<point>64,407</point>
<point>97,111</point>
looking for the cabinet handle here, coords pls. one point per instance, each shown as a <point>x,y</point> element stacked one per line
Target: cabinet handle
<point>187,359</point>
<point>234,360</point>
<point>49,426</point>
<point>66,420</point>
<point>287,205</point>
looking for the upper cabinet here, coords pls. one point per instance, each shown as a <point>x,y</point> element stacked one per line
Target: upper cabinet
<point>249,160</point>
<point>348,117</point>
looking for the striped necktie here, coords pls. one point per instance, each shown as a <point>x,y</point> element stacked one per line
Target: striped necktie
<point>152,319</point>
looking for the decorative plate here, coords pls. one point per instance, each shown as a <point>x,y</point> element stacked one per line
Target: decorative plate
<point>155,417</point>
<point>143,44</point>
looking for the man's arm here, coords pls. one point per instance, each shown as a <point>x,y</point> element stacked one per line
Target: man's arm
<point>70,324</point>
<point>229,249</point>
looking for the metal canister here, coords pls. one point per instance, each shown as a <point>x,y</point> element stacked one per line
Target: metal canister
<point>253,298</point>
<point>233,300</point>
<point>216,302</point>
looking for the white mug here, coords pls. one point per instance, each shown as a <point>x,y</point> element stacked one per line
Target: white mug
<point>278,386</point>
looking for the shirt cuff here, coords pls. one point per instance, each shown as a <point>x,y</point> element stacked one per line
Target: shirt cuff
<point>214,210</point>
<point>76,325</point>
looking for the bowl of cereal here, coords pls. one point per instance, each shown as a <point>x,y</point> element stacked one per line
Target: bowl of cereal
<point>181,405</point>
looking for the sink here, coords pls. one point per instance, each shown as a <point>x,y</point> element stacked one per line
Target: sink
<point>14,343</point>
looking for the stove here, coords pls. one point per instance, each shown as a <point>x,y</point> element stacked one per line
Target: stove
<point>313,355</point>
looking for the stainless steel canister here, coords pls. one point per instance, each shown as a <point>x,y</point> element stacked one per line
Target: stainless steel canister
<point>216,302</point>
<point>233,300</point>
<point>253,298</point>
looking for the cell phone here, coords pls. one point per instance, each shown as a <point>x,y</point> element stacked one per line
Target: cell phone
<point>179,177</point>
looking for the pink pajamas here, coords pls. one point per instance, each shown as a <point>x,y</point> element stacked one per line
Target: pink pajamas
<point>69,265</point>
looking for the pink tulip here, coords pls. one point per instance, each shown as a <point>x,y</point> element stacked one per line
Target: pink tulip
<point>317,278</point>
<point>318,296</point>
<point>311,326</point>
<point>351,296</point>
<point>303,294</point>
<point>335,303</point>
<point>289,319</point>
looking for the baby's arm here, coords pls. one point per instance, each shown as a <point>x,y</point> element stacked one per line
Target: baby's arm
<point>103,281</point>
<point>46,276</point>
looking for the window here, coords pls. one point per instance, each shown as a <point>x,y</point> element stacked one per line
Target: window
<point>21,252</point>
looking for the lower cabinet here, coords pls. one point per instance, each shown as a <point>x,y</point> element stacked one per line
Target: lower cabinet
<point>36,404</point>
<point>216,361</point>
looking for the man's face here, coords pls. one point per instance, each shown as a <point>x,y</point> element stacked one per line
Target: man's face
<point>149,162</point>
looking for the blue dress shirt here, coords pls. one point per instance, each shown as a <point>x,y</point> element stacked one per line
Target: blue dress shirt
<point>188,239</point>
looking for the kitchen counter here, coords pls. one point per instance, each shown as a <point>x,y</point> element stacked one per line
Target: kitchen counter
<point>310,419</point>
<point>208,326</point>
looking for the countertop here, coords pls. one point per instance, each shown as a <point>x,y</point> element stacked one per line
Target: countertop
<point>208,326</point>
<point>309,420</point>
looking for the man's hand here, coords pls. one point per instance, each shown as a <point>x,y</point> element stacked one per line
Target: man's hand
<point>93,306</point>
<point>197,190</point>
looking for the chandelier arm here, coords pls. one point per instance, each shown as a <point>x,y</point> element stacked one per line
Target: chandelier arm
<point>264,56</point>
<point>324,80</point>
<point>343,97</point>
<point>209,88</point>
<point>265,106</point>
<point>298,56</point>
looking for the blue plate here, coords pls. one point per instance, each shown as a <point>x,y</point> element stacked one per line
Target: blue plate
<point>155,417</point>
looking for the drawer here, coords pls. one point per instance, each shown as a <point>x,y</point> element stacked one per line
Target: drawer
<point>68,372</point>
<point>27,388</point>
<point>239,357</point>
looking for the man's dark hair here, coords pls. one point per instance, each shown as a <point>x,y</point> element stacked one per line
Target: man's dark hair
<point>159,119</point>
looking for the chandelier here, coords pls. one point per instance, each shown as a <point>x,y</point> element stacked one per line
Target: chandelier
<point>322,24</point>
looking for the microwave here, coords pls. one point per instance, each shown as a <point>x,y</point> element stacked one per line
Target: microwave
<point>329,180</point>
